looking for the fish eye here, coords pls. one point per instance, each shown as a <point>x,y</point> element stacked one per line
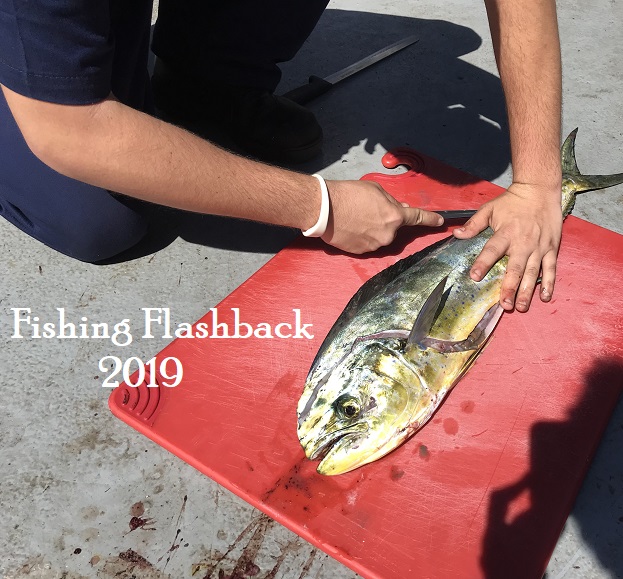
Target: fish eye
<point>347,406</point>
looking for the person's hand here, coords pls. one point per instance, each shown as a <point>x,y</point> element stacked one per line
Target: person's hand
<point>527,221</point>
<point>365,217</point>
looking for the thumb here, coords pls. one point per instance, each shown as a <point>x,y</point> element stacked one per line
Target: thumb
<point>415,216</point>
<point>476,223</point>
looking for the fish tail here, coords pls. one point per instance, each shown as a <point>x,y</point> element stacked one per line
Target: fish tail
<point>582,183</point>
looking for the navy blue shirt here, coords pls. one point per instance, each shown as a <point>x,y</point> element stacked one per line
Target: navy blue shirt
<point>76,51</point>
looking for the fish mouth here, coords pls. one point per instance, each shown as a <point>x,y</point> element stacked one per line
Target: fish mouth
<point>328,442</point>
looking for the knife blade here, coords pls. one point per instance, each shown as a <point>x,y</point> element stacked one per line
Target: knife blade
<point>456,213</point>
<point>318,86</point>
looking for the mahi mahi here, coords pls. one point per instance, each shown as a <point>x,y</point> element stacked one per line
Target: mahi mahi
<point>403,341</point>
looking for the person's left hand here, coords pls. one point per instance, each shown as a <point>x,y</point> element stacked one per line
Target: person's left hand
<point>527,221</point>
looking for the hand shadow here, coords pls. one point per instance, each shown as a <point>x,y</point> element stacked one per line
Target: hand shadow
<point>519,546</point>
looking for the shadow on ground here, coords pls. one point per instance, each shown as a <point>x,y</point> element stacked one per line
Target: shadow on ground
<point>519,546</point>
<point>599,512</point>
<point>424,97</point>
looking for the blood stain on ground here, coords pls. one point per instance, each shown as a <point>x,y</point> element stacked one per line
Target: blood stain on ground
<point>138,523</point>
<point>467,406</point>
<point>137,509</point>
<point>451,426</point>
<point>396,473</point>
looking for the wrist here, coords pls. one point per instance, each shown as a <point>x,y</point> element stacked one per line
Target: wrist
<point>542,179</point>
<point>548,192</point>
<point>540,168</point>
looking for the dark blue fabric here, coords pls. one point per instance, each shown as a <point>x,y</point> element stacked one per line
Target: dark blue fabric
<point>236,42</point>
<point>79,51</point>
<point>70,52</point>
<point>75,51</point>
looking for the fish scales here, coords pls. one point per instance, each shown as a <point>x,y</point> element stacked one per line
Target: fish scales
<point>402,343</point>
<point>389,307</point>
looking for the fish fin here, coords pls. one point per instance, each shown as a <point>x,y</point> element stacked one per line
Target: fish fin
<point>427,314</point>
<point>569,164</point>
<point>583,183</point>
<point>372,287</point>
<point>476,339</point>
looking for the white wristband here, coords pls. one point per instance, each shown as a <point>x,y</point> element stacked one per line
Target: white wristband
<point>321,225</point>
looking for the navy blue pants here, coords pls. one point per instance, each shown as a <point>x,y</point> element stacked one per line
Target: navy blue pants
<point>237,42</point>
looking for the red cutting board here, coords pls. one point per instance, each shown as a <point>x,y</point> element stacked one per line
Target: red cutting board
<point>484,489</point>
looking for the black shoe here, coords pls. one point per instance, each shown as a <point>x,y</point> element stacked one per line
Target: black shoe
<point>267,126</point>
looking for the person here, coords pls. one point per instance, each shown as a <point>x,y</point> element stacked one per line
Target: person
<point>80,140</point>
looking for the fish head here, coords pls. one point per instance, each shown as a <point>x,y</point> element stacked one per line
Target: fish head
<point>363,409</point>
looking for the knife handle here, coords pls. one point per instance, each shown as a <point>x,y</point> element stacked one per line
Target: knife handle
<point>308,92</point>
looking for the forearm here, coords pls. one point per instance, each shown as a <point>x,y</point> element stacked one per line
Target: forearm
<point>527,48</point>
<point>112,146</point>
<point>115,147</point>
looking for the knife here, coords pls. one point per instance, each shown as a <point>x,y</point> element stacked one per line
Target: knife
<point>318,86</point>
<point>456,214</point>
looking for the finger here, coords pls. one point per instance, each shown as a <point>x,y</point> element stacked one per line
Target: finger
<point>405,204</point>
<point>491,253</point>
<point>475,224</point>
<point>510,284</point>
<point>528,282</point>
<point>549,276</point>
<point>415,216</point>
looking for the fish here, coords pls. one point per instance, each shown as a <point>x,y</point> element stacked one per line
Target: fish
<point>404,341</point>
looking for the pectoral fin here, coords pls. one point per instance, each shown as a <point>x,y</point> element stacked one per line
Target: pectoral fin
<point>476,338</point>
<point>426,317</point>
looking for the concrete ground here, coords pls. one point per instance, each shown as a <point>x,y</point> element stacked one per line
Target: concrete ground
<point>74,480</point>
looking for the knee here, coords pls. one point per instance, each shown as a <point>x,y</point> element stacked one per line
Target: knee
<point>99,241</point>
<point>87,237</point>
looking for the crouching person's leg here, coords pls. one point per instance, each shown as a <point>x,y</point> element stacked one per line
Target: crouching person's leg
<point>79,220</point>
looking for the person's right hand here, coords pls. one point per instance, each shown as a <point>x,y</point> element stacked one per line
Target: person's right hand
<point>365,217</point>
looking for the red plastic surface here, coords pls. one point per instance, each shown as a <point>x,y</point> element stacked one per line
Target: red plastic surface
<point>485,488</point>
